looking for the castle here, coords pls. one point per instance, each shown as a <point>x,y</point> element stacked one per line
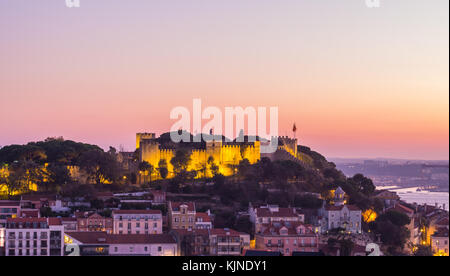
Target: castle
<point>226,155</point>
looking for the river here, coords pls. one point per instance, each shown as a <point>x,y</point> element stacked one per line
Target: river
<point>411,195</point>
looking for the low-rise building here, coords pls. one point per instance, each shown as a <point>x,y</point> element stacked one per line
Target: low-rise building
<point>101,243</point>
<point>34,237</point>
<point>227,242</point>
<point>181,215</point>
<point>203,220</point>
<point>439,242</point>
<point>287,237</point>
<point>9,209</point>
<point>273,213</point>
<point>340,215</point>
<point>137,221</point>
<point>211,242</point>
<point>91,221</point>
<point>70,224</point>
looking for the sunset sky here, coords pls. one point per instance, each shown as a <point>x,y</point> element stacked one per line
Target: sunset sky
<point>358,81</point>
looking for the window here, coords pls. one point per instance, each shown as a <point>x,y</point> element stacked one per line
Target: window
<point>115,249</point>
<point>159,248</point>
<point>145,248</point>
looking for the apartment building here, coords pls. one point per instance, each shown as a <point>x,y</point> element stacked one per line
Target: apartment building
<point>91,221</point>
<point>203,220</point>
<point>227,242</point>
<point>181,215</point>
<point>34,237</point>
<point>137,222</point>
<point>287,237</point>
<point>211,242</point>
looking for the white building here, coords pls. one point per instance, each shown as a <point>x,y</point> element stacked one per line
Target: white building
<point>340,215</point>
<point>101,243</point>
<point>34,237</point>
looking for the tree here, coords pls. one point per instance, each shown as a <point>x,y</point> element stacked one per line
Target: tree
<point>180,161</point>
<point>362,184</point>
<point>58,176</point>
<point>396,217</point>
<point>243,168</point>
<point>212,166</point>
<point>146,169</point>
<point>162,168</point>
<point>100,166</point>
<point>308,202</point>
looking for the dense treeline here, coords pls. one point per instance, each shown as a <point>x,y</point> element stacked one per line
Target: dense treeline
<point>45,165</point>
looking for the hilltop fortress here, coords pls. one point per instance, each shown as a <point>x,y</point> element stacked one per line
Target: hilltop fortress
<point>220,151</point>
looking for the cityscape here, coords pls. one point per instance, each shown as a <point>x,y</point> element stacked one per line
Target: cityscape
<point>216,198</point>
<point>193,128</point>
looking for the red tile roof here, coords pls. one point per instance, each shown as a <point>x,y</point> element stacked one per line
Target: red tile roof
<point>282,212</point>
<point>203,216</point>
<point>176,206</point>
<point>273,229</point>
<point>54,221</point>
<point>24,220</point>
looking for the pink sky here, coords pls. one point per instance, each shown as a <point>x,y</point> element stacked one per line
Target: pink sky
<point>358,82</point>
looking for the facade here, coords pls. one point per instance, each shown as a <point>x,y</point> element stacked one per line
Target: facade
<point>227,242</point>
<point>137,222</point>
<point>181,215</point>
<point>70,224</point>
<point>158,197</point>
<point>287,237</point>
<point>203,221</point>
<point>340,215</point>
<point>211,242</point>
<point>87,221</point>
<point>272,213</point>
<point>9,209</point>
<point>439,242</point>
<point>101,243</point>
<point>34,237</point>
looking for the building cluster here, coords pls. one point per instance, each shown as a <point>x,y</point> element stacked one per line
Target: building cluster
<point>132,232</point>
<point>80,229</point>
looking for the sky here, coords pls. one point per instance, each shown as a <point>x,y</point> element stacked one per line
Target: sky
<point>357,81</point>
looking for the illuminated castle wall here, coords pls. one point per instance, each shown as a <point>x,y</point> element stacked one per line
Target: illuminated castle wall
<point>224,154</point>
<point>288,144</point>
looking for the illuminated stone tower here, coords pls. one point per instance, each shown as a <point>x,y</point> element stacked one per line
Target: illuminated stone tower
<point>143,136</point>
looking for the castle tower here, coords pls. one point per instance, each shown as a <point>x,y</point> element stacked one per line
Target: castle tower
<point>143,136</point>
